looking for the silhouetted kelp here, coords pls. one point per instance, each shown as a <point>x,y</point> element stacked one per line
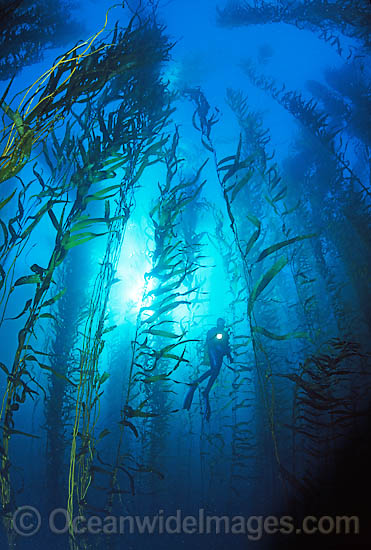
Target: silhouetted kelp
<point>310,115</point>
<point>28,28</point>
<point>346,98</point>
<point>329,20</point>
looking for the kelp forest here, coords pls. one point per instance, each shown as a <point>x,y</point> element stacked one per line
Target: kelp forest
<point>184,274</point>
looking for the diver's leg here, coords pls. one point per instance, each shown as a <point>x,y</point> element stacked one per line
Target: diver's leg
<point>216,363</point>
<point>189,397</point>
<point>203,377</point>
<point>210,383</point>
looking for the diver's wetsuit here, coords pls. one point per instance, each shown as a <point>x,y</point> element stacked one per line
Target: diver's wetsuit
<point>217,346</point>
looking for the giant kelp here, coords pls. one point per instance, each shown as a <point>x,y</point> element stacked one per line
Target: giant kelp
<point>68,316</point>
<point>244,457</point>
<point>328,19</point>
<point>234,174</point>
<point>281,235</point>
<point>160,341</point>
<point>82,162</point>
<point>139,134</point>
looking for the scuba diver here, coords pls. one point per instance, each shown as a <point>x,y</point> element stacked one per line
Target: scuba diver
<point>217,341</point>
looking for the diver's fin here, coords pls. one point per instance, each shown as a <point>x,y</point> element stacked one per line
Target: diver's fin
<point>189,397</point>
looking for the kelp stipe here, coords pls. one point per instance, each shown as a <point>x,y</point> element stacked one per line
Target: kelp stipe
<point>68,316</point>
<point>244,457</point>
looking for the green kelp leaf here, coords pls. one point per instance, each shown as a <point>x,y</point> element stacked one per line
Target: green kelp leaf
<point>273,336</point>
<point>264,281</point>
<point>163,333</point>
<point>131,480</point>
<point>4,368</point>
<point>250,243</point>
<point>29,279</point>
<point>54,220</point>
<point>87,222</point>
<point>173,356</point>
<point>267,251</point>
<point>130,413</point>
<point>103,378</point>
<point>163,289</point>
<point>290,210</point>
<point>171,347</point>
<point>18,432</point>
<point>254,220</point>
<point>8,199</point>
<point>227,167</point>
<point>163,310</point>
<point>107,210</point>
<point>55,372</point>
<point>55,298</point>
<point>281,194</point>
<point>47,367</point>
<point>28,347</point>
<point>236,168</point>
<point>80,238</point>
<point>226,159</point>
<point>241,184</point>
<point>26,307</point>
<point>254,237</point>
<point>206,145</point>
<point>2,276</point>
<point>154,378</point>
<point>109,329</point>
<point>314,391</point>
<point>114,164</point>
<point>37,269</point>
<point>103,175</point>
<point>131,426</point>
<point>148,469</point>
<point>176,366</point>
<point>48,316</point>
<point>5,231</point>
<point>114,281</point>
<point>101,195</point>
<point>103,434</point>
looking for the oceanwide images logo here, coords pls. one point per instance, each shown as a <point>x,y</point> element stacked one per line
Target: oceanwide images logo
<point>27,521</point>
